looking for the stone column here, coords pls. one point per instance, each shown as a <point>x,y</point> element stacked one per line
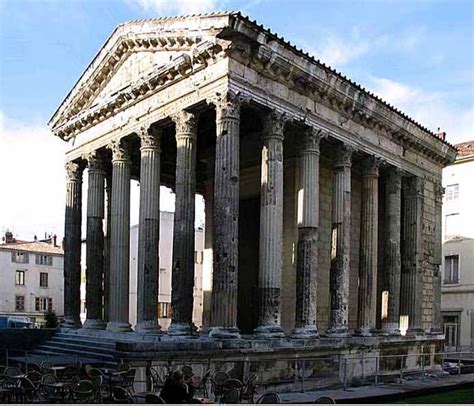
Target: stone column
<point>368,247</point>
<point>108,192</point>
<point>392,252</point>
<point>437,318</point>
<point>182,294</point>
<point>149,232</point>
<point>72,246</point>
<point>412,278</point>
<point>225,235</point>
<point>95,242</point>
<point>307,248</point>
<point>341,242</point>
<point>271,227</point>
<point>120,238</point>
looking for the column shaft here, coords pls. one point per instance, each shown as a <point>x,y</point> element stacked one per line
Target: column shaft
<point>411,280</point>
<point>437,318</point>
<point>108,192</point>
<point>120,239</point>
<point>392,248</point>
<point>225,236</point>
<point>182,295</point>
<point>149,233</point>
<point>368,247</point>
<point>271,228</point>
<point>72,246</point>
<point>307,247</point>
<point>341,242</point>
<point>95,243</point>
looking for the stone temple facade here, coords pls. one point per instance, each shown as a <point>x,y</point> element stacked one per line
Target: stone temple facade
<point>323,202</point>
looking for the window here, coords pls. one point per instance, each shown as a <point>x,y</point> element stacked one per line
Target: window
<point>453,225</point>
<point>451,269</point>
<point>20,257</point>
<point>20,278</point>
<point>198,257</point>
<point>20,303</point>
<point>164,310</point>
<point>43,303</point>
<point>452,192</point>
<point>44,260</point>
<point>43,280</point>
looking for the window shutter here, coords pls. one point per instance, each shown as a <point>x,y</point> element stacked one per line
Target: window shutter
<point>37,258</point>
<point>37,304</point>
<point>50,304</point>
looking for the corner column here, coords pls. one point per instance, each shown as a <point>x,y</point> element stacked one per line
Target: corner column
<point>392,254</point>
<point>108,193</point>
<point>225,206</point>
<point>182,294</point>
<point>149,232</point>
<point>307,248</point>
<point>412,278</point>
<point>341,242</point>
<point>72,246</point>
<point>271,227</point>
<point>120,238</point>
<point>368,247</point>
<point>95,242</point>
<point>437,324</point>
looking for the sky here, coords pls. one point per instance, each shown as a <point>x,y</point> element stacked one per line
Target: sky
<point>416,54</point>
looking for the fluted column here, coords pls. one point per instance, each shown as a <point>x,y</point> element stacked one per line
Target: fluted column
<point>72,246</point>
<point>120,238</point>
<point>437,318</point>
<point>341,242</point>
<point>149,232</point>
<point>95,242</point>
<point>307,248</point>
<point>412,278</point>
<point>392,250</point>
<point>271,227</point>
<point>106,285</point>
<point>225,234</point>
<point>182,294</point>
<point>368,247</point>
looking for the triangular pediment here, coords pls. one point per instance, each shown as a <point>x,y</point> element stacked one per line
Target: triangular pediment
<point>134,51</point>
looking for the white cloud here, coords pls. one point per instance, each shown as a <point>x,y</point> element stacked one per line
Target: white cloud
<point>32,179</point>
<point>431,109</point>
<point>176,6</point>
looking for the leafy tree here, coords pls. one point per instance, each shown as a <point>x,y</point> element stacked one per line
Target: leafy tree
<point>51,319</point>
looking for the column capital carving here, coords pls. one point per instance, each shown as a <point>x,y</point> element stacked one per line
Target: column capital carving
<point>313,137</point>
<point>74,171</point>
<point>371,166</point>
<point>227,104</point>
<point>186,124</point>
<point>343,155</point>
<point>150,137</point>
<point>414,186</point>
<point>120,150</point>
<point>439,191</point>
<point>274,124</point>
<point>394,179</point>
<point>95,162</point>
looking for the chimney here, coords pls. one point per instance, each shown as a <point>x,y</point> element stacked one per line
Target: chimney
<point>35,238</point>
<point>55,239</point>
<point>9,237</point>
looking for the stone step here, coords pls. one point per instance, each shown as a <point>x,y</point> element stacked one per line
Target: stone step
<point>86,352</point>
<point>86,359</point>
<point>75,340</point>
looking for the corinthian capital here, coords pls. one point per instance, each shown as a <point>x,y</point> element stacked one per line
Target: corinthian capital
<point>94,161</point>
<point>74,171</point>
<point>371,165</point>
<point>227,105</point>
<point>438,192</point>
<point>150,137</point>
<point>274,124</point>
<point>120,150</point>
<point>312,140</point>
<point>343,155</point>
<point>186,124</point>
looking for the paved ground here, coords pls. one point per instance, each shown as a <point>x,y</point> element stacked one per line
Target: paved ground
<point>383,392</point>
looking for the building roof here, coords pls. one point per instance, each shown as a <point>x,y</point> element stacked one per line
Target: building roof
<point>465,149</point>
<point>35,246</point>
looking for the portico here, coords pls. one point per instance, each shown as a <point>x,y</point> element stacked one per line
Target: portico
<point>320,197</point>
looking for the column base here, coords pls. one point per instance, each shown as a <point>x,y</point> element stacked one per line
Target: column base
<point>224,332</point>
<point>148,327</point>
<point>119,327</point>
<point>305,332</point>
<point>390,329</point>
<point>338,332</point>
<point>182,329</point>
<point>71,322</point>
<point>415,331</point>
<point>94,324</point>
<point>363,332</point>
<point>269,331</point>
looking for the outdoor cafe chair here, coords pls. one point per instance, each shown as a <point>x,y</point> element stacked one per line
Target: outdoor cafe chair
<point>83,391</point>
<point>156,381</point>
<point>202,385</point>
<point>122,395</point>
<point>97,382</point>
<point>231,396</point>
<point>249,389</point>
<point>45,366</point>
<point>28,391</point>
<point>152,398</point>
<point>35,377</point>
<point>129,379</point>
<point>49,389</point>
<point>218,382</point>
<point>270,397</point>
<point>70,373</point>
<point>325,400</point>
